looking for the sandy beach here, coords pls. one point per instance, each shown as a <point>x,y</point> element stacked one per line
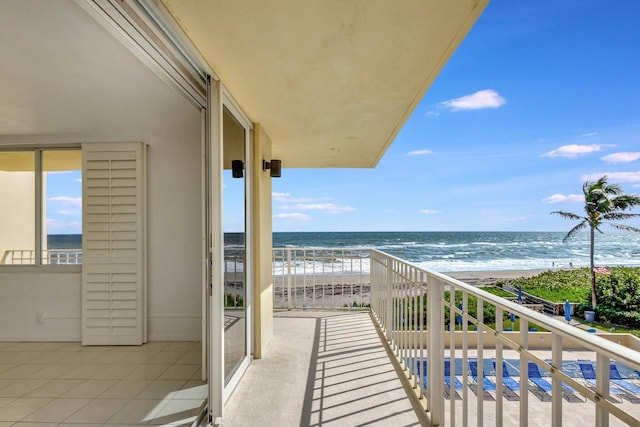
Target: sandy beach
<point>484,278</point>
<point>343,290</point>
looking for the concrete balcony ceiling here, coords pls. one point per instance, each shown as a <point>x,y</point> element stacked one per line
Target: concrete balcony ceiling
<point>331,81</point>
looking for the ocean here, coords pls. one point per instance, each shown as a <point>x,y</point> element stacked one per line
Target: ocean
<point>480,251</point>
<point>460,251</point>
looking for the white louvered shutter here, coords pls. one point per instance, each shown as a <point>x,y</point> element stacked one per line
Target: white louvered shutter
<point>113,244</point>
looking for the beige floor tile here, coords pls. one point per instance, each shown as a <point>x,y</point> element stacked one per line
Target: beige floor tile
<point>83,371</point>
<point>6,423</point>
<point>20,408</point>
<point>90,389</point>
<point>177,410</point>
<point>4,401</point>
<point>161,389</point>
<point>51,372</point>
<point>6,366</point>
<point>22,371</point>
<point>125,389</point>
<point>21,387</point>
<point>148,372</point>
<point>192,390</point>
<point>18,357</point>
<point>179,346</point>
<point>179,372</point>
<point>191,358</point>
<point>54,388</point>
<point>111,357</point>
<point>137,412</point>
<point>116,372</point>
<point>57,410</point>
<point>166,357</point>
<point>30,424</point>
<point>97,411</point>
<point>6,381</point>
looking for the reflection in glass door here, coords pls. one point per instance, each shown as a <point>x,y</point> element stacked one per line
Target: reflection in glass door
<point>235,299</point>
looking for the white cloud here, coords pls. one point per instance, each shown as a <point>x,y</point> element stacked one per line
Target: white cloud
<point>559,198</point>
<point>75,202</point>
<point>419,152</point>
<point>428,211</point>
<point>325,207</point>
<point>633,177</point>
<point>68,212</point>
<point>70,227</point>
<point>572,151</point>
<point>487,98</point>
<point>623,157</point>
<point>294,216</point>
<point>515,219</point>
<point>432,113</point>
<point>288,198</point>
<point>589,134</point>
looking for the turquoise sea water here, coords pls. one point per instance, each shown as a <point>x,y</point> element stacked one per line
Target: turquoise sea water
<point>460,251</point>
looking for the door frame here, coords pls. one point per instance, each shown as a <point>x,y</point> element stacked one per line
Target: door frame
<point>218,99</point>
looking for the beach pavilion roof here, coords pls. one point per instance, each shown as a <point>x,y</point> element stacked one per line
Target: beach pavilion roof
<point>331,81</point>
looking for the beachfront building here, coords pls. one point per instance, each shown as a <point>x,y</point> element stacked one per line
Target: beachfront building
<point>166,108</point>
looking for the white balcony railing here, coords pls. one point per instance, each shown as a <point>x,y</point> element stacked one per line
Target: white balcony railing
<point>321,278</point>
<point>407,301</point>
<point>49,257</point>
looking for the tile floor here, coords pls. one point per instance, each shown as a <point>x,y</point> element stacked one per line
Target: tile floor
<point>66,384</point>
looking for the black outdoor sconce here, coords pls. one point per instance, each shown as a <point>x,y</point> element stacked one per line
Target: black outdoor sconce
<point>237,168</point>
<point>274,166</point>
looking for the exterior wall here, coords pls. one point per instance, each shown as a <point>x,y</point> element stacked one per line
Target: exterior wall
<point>263,283</point>
<point>18,201</point>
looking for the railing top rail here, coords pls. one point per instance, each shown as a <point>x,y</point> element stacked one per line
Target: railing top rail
<point>321,248</point>
<point>592,342</point>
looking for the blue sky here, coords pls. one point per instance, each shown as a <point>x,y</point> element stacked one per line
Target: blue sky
<point>538,98</point>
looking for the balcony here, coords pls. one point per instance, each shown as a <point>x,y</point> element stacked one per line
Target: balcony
<point>570,376</point>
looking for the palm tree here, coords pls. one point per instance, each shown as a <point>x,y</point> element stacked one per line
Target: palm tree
<point>603,203</point>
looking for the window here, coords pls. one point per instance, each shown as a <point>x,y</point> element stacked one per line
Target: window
<point>41,215</point>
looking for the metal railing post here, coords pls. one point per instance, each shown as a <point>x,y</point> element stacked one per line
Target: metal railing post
<point>435,355</point>
<point>602,388</point>
<point>289,279</point>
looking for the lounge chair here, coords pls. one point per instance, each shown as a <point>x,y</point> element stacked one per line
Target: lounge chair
<point>487,384</point>
<point>617,379</point>
<point>589,375</point>
<point>536,378</point>
<point>457,385</point>
<point>507,380</point>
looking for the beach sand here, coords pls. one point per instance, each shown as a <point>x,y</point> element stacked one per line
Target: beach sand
<point>344,290</point>
<point>484,278</point>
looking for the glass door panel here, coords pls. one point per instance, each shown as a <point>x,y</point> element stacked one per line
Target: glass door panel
<point>235,250</point>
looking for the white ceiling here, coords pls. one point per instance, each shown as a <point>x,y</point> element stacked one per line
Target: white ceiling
<point>64,77</point>
<point>331,81</point>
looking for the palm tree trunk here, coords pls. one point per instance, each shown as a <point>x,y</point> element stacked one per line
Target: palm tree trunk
<point>594,298</point>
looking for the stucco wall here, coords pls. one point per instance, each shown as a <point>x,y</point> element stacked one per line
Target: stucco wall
<point>263,286</point>
<point>17,201</point>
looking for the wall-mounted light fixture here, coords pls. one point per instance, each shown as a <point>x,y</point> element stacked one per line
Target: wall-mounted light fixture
<point>237,168</point>
<point>275,167</point>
